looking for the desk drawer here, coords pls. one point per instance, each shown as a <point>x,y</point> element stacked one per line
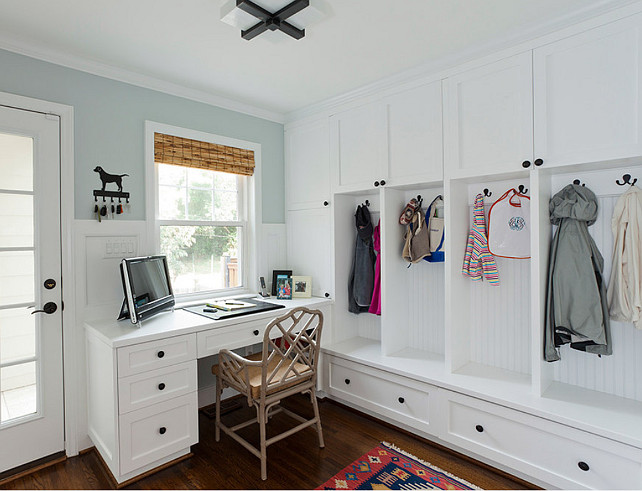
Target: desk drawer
<point>564,456</point>
<point>397,397</point>
<point>210,342</point>
<point>147,388</point>
<point>156,354</point>
<point>154,432</point>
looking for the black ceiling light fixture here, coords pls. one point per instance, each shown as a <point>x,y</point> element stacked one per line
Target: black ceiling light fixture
<point>272,21</point>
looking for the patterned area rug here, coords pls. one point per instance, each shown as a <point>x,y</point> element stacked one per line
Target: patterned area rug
<point>388,467</point>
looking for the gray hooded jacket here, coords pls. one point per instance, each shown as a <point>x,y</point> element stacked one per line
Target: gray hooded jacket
<point>576,308</point>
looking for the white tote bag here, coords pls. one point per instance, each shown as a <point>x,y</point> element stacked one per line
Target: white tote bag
<point>509,226</point>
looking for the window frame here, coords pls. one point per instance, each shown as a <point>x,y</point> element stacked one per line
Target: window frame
<point>249,199</point>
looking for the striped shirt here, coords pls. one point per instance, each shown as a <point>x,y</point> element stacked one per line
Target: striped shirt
<point>479,263</point>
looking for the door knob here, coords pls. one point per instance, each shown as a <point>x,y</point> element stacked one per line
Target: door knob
<point>49,308</point>
<point>526,164</point>
<point>538,162</point>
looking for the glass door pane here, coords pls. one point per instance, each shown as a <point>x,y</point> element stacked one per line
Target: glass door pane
<point>18,328</point>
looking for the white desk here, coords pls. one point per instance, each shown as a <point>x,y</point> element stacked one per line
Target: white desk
<point>142,381</point>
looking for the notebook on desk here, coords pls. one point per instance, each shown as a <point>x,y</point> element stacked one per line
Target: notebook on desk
<point>254,306</point>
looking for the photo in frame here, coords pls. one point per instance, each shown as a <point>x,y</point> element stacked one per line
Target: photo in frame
<point>301,286</point>
<point>275,274</point>
<point>284,287</point>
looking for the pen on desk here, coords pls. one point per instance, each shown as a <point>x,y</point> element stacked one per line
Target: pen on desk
<point>210,310</point>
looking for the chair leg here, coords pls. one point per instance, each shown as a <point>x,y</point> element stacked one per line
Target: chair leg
<point>315,405</point>
<point>262,421</point>
<point>217,424</point>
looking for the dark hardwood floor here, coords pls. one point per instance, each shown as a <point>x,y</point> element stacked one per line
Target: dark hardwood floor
<point>294,463</point>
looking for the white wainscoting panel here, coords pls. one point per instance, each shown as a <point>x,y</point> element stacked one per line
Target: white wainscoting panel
<point>426,306</point>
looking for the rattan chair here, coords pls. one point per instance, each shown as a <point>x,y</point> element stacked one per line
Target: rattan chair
<point>286,366</point>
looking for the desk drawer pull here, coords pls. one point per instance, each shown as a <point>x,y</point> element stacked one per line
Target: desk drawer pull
<point>162,430</point>
<point>256,332</point>
<point>347,381</point>
<point>584,466</point>
<point>160,354</point>
<point>161,386</point>
<point>479,428</point>
<point>401,400</point>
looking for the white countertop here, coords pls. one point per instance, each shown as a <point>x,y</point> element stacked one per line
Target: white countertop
<point>178,322</point>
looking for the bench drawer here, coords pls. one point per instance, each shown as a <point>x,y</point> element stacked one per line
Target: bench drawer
<point>567,456</point>
<point>156,354</point>
<point>154,432</point>
<point>147,388</point>
<point>392,395</point>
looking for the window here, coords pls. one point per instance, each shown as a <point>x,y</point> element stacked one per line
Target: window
<point>203,212</point>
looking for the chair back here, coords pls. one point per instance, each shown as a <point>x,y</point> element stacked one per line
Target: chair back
<point>291,347</point>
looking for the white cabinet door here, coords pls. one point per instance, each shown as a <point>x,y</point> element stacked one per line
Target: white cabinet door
<point>588,95</point>
<point>415,135</point>
<point>307,150</point>
<point>310,246</point>
<point>489,117</point>
<point>359,147</point>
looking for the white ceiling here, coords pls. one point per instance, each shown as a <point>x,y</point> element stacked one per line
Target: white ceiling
<point>184,42</point>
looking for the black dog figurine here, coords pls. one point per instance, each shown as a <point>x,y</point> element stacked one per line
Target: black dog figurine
<point>106,177</point>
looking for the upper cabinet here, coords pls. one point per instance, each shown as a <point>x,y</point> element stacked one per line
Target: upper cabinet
<point>359,147</point>
<point>488,118</point>
<point>588,95</point>
<point>307,167</point>
<point>415,135</point>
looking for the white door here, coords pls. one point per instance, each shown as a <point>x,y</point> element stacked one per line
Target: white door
<point>415,135</point>
<point>308,165</point>
<point>359,147</point>
<point>31,383</point>
<point>488,115</point>
<point>309,246</point>
<point>588,95</point>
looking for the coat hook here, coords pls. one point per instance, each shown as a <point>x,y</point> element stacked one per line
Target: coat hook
<point>104,199</point>
<point>522,189</point>
<point>626,178</point>
<point>367,203</point>
<point>487,193</point>
<point>577,182</point>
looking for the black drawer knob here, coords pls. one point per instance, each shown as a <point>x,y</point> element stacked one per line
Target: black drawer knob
<point>160,354</point>
<point>584,466</point>
<point>382,182</point>
<point>256,332</point>
<point>162,430</point>
<point>479,428</point>
<point>401,400</point>
<point>325,203</point>
<point>376,184</point>
<point>526,164</point>
<point>347,381</point>
<point>538,162</point>
<point>327,295</point>
<point>161,386</point>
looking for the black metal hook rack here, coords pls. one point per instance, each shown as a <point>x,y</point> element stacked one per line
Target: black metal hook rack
<point>111,194</point>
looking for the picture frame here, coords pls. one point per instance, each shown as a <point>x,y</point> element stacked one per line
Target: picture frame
<point>283,287</point>
<point>279,272</point>
<point>301,286</point>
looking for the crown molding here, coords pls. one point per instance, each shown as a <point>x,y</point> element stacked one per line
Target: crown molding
<point>517,41</point>
<point>94,67</point>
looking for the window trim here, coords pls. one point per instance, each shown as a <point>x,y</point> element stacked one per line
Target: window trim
<point>251,205</point>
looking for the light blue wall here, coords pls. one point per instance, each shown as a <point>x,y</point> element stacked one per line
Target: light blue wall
<point>109,128</point>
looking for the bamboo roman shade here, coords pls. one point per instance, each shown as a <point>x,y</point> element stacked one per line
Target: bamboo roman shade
<point>175,150</point>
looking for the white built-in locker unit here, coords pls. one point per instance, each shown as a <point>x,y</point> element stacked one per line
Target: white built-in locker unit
<point>456,361</point>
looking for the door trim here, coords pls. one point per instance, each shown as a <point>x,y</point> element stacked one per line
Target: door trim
<point>71,338</point>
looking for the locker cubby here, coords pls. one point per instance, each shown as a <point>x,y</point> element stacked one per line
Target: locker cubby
<point>352,330</point>
<point>578,376</point>
<point>488,327</point>
<point>413,294</point>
